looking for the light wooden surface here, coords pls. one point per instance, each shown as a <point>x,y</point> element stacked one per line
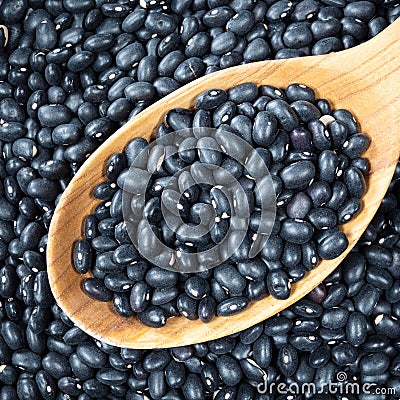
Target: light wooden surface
<point>365,80</point>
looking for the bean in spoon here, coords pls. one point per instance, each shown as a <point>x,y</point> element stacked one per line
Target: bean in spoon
<point>364,80</point>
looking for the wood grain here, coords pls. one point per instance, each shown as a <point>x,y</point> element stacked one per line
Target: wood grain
<point>365,80</point>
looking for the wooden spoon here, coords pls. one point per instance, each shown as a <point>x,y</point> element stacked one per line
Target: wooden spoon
<point>364,79</point>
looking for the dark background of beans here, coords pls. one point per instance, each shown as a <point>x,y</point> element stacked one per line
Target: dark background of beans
<point>60,85</point>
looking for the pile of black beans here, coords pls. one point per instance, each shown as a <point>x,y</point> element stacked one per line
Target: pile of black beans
<point>313,155</point>
<point>43,45</point>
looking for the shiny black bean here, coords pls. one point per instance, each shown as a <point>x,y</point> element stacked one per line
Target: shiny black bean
<point>291,258</point>
<point>355,145</point>
<point>298,174</point>
<point>229,278</point>
<point>152,316</point>
<point>232,306</point>
<point>335,318</point>
<point>250,335</point>
<point>319,357</point>
<point>356,329</point>
<point>296,231</point>
<point>343,354</point>
<point>27,360</point>
<point>322,218</point>
<point>379,277</point>
<point>332,246</point>
<point>11,131</point>
<point>297,35</point>
<point>320,135</point>
<point>386,325</point>
<point>354,180</point>
<point>193,388</point>
<point>325,28</point>
<point>305,341</point>
<point>218,16</point>
<point>11,111</point>
<point>94,388</point>
<point>207,309</point>
<point>327,45</point>
<point>327,163</point>
<point>53,115</point>
<point>175,375</point>
<point>223,43</point>
<point>188,70</point>
<point>12,335</point>
<point>301,139</point>
<point>278,284</point>
<point>96,289</point>
<point>82,256</point>
<point>229,370</point>
<point>348,210</point>
<point>299,206</point>
<point>296,92</point>
<point>139,91</point>
<point>283,113</point>
<point>335,296</point>
<point>287,360</point>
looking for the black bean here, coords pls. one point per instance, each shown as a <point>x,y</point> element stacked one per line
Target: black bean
<point>232,306</point>
<point>130,56</point>
<point>27,360</point>
<point>188,70</point>
<point>152,316</point>
<point>354,180</point>
<point>284,114</point>
<point>355,145</point>
<point>298,174</point>
<point>296,91</point>
<point>223,43</point>
<point>279,10</point>
<point>386,325</point>
<point>11,131</point>
<point>241,22</point>
<point>343,354</point>
<point>325,29</point>
<point>218,16</point>
<point>296,231</point>
<point>287,360</point>
<point>297,35</point>
<point>94,388</point>
<point>229,277</point>
<point>134,20</point>
<point>348,210</point>
<point>356,329</point>
<point>82,256</point>
<point>229,370</point>
<point>335,318</point>
<point>190,26</point>
<point>101,39</point>
<point>53,115</point>
<point>95,288</point>
<point>43,189</point>
<point>139,91</point>
<point>335,296</point>
<point>327,45</point>
<point>278,284</point>
<point>193,388</point>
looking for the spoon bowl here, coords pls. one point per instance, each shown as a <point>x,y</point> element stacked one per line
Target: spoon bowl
<point>365,80</point>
